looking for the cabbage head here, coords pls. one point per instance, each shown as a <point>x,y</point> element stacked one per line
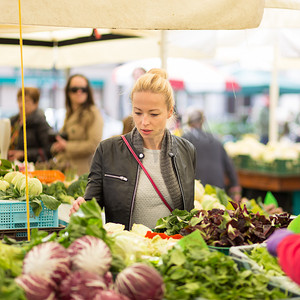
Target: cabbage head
<point>35,187</point>
<point>4,185</point>
<point>11,175</point>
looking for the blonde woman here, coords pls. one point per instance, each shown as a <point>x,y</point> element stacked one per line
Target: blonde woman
<point>116,178</point>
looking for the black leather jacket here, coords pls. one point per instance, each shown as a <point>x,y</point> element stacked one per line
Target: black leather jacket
<point>114,177</point>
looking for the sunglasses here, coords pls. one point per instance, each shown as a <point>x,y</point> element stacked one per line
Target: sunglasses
<point>75,89</point>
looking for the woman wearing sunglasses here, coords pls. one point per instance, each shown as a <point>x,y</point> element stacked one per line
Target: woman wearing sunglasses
<point>82,129</point>
<point>143,175</point>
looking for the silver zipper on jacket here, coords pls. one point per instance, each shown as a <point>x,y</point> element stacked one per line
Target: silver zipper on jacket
<point>179,181</point>
<point>117,177</point>
<point>133,197</point>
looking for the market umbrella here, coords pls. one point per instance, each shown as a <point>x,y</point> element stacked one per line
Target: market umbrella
<point>74,47</point>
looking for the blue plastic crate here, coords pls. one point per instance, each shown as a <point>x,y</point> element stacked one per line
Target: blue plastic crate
<point>13,215</point>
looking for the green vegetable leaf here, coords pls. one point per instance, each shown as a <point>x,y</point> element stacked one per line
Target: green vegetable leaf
<point>179,274</point>
<point>294,226</point>
<point>177,258</point>
<point>92,210</point>
<point>86,221</point>
<point>50,202</point>
<point>36,206</point>
<point>194,238</point>
<point>5,166</point>
<point>10,259</point>
<point>211,275</point>
<point>77,188</point>
<point>9,290</point>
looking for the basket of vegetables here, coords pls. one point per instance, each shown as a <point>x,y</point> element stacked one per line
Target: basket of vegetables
<point>13,207</point>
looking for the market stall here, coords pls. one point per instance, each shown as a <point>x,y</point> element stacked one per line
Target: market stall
<point>89,259</point>
<point>274,167</point>
<point>269,182</point>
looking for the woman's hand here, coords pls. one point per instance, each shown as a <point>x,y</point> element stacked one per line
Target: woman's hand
<point>271,209</point>
<point>59,145</point>
<point>15,155</point>
<point>76,205</point>
<point>235,194</point>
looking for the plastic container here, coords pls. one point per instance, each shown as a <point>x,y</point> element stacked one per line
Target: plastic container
<point>239,253</point>
<point>47,176</point>
<point>283,282</point>
<point>13,215</point>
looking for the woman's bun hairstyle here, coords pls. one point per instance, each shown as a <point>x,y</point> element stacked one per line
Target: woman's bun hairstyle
<point>161,72</point>
<point>155,81</point>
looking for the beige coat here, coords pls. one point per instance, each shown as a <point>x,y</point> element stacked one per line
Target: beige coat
<point>83,138</point>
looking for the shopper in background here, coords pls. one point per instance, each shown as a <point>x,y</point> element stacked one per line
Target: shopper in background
<point>137,73</point>
<point>37,129</point>
<point>117,182</point>
<point>214,166</point>
<point>262,123</point>
<point>82,129</point>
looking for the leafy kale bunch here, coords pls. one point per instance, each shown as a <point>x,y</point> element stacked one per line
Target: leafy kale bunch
<point>225,228</point>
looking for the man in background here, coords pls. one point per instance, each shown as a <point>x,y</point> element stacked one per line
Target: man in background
<point>213,166</point>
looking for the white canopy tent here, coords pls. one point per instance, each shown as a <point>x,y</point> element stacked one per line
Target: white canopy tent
<point>136,14</point>
<point>193,44</point>
<point>230,15</point>
<point>59,20</point>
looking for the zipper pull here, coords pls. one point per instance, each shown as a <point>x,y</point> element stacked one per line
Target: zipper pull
<point>123,178</point>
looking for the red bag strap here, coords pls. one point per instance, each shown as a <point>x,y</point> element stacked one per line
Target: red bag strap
<point>148,175</point>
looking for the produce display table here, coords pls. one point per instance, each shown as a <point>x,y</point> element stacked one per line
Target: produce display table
<point>269,182</point>
<point>273,183</point>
